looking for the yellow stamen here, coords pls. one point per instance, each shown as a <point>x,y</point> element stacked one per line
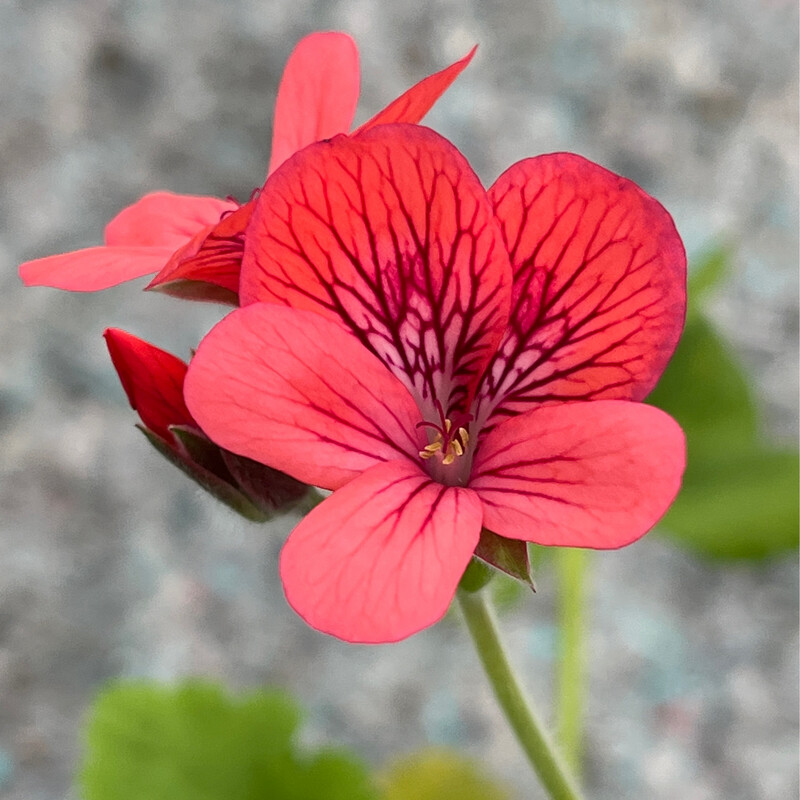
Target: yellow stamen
<point>456,445</point>
<point>431,449</point>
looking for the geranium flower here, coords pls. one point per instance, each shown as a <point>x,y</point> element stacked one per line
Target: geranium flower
<point>153,380</point>
<point>195,243</point>
<point>445,358</point>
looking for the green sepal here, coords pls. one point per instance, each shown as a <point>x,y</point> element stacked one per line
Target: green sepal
<point>197,290</point>
<point>508,555</point>
<point>213,484</point>
<point>269,489</point>
<point>202,451</point>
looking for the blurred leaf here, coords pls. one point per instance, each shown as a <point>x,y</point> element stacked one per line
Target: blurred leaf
<point>194,742</point>
<point>707,392</point>
<point>439,774</point>
<point>712,268</point>
<point>741,506</point>
<point>739,497</point>
<point>507,593</point>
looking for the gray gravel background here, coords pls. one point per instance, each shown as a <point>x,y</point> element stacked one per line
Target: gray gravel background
<point>113,564</point>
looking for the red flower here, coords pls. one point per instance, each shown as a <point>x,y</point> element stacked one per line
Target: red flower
<point>153,380</point>
<point>445,359</point>
<point>195,243</point>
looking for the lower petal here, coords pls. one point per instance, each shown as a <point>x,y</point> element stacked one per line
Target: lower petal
<point>297,392</point>
<point>381,558</point>
<point>596,474</point>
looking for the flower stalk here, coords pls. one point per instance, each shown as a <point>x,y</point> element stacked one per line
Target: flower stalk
<point>538,747</point>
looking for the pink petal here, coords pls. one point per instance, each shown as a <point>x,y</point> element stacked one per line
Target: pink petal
<point>317,96</point>
<point>597,474</point>
<point>153,381</point>
<point>381,558</point>
<point>164,219</point>
<point>415,103</point>
<point>391,232</point>
<point>295,391</point>
<point>599,285</point>
<point>94,268</point>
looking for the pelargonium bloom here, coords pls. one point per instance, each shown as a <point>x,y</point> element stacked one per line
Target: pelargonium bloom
<point>195,243</point>
<point>446,358</point>
<point>153,380</point>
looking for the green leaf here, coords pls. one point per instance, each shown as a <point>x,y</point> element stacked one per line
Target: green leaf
<point>439,774</point>
<point>713,266</point>
<point>738,506</point>
<point>194,742</point>
<point>707,392</point>
<point>739,496</point>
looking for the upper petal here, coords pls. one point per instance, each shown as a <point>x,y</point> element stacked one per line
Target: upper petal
<point>297,392</point>
<point>152,379</point>
<point>94,268</point>
<point>317,96</point>
<point>391,232</point>
<point>164,219</point>
<point>415,103</point>
<point>139,241</point>
<point>381,558</point>
<point>599,292</point>
<point>597,474</point>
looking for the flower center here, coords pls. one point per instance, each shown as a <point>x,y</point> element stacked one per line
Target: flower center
<point>448,442</point>
<point>451,439</point>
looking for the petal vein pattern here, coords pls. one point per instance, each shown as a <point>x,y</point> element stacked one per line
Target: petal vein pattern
<point>597,474</point>
<point>599,286</point>
<point>381,558</point>
<point>298,393</point>
<point>213,255</point>
<point>391,232</point>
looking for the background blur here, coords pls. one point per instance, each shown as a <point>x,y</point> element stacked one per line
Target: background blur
<point>112,563</point>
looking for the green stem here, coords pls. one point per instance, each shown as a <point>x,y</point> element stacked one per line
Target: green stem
<point>571,565</point>
<point>528,729</point>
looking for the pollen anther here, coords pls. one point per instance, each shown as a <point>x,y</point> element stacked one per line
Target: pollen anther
<point>448,442</point>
